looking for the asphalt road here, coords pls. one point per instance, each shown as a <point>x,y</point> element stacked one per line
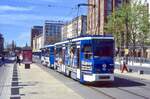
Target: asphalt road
<point>122,88</point>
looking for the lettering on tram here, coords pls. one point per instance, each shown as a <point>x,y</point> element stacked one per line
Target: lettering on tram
<point>86,59</point>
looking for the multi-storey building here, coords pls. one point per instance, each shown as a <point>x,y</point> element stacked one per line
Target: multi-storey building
<point>1,43</point>
<point>98,13</point>
<point>52,31</point>
<point>37,43</point>
<point>35,31</point>
<point>76,27</point>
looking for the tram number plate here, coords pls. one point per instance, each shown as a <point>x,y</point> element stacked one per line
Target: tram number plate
<point>104,77</point>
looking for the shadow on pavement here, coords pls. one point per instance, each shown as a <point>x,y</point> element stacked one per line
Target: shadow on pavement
<point>15,88</point>
<point>29,83</point>
<point>118,82</point>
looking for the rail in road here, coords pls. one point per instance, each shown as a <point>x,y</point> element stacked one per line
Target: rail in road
<point>107,89</point>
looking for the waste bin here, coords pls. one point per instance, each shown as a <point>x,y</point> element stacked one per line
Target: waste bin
<point>27,66</point>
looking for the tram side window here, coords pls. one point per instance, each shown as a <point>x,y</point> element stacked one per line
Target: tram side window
<point>57,52</point>
<point>47,53</point>
<point>104,48</point>
<point>42,53</point>
<point>87,50</point>
<point>103,51</point>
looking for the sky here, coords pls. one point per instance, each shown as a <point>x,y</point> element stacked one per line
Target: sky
<point>17,17</point>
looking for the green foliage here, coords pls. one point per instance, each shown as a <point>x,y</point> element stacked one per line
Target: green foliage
<point>130,24</point>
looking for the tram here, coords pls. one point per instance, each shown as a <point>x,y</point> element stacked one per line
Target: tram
<point>45,56</point>
<point>87,59</point>
<point>36,55</point>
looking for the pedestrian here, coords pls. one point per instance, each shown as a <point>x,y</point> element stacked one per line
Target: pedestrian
<point>3,60</point>
<point>124,67</point>
<point>18,61</point>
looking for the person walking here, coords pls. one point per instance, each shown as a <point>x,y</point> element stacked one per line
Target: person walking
<point>3,60</point>
<point>124,67</point>
<point>18,61</point>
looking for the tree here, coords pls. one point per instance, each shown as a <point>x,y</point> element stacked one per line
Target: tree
<point>118,24</point>
<point>130,25</point>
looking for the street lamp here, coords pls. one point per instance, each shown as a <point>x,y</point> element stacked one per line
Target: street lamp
<point>79,5</point>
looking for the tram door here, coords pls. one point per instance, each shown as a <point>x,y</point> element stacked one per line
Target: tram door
<point>78,58</point>
<point>78,63</point>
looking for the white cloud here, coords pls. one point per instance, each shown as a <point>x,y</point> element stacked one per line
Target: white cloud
<point>14,8</point>
<point>14,19</point>
<point>24,36</point>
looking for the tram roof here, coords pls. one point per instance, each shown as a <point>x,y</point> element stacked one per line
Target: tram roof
<point>80,39</point>
<point>47,46</point>
<point>90,38</point>
<point>84,38</point>
<point>64,42</point>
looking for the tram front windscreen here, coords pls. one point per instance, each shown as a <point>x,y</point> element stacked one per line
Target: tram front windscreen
<point>103,48</point>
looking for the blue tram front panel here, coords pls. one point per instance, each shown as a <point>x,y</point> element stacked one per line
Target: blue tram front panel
<point>97,61</point>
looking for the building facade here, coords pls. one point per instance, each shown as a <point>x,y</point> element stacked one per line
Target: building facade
<point>76,27</point>
<point>98,13</point>
<point>1,43</point>
<point>37,43</point>
<point>52,31</point>
<point>35,31</point>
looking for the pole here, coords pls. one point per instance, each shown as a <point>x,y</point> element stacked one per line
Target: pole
<point>79,5</point>
<point>77,21</point>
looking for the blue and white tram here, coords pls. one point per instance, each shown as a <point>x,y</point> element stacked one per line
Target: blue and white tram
<point>86,59</point>
<point>36,55</point>
<point>45,56</point>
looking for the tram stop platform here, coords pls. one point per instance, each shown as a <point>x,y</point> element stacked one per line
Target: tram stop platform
<point>35,83</point>
<point>133,74</point>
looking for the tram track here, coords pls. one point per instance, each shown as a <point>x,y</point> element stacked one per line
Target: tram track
<point>142,96</point>
<point>133,78</point>
<point>124,90</point>
<point>105,94</point>
<point>138,80</point>
<point>148,89</point>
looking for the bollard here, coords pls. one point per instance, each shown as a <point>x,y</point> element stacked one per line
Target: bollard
<point>140,72</point>
<point>130,70</point>
<point>27,66</point>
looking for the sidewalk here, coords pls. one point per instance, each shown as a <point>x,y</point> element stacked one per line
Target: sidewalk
<point>38,84</point>
<point>5,81</point>
<point>135,67</point>
<point>135,64</point>
<point>133,74</point>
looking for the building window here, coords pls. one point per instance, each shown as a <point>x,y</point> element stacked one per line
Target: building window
<point>109,7</point>
<point>118,3</point>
